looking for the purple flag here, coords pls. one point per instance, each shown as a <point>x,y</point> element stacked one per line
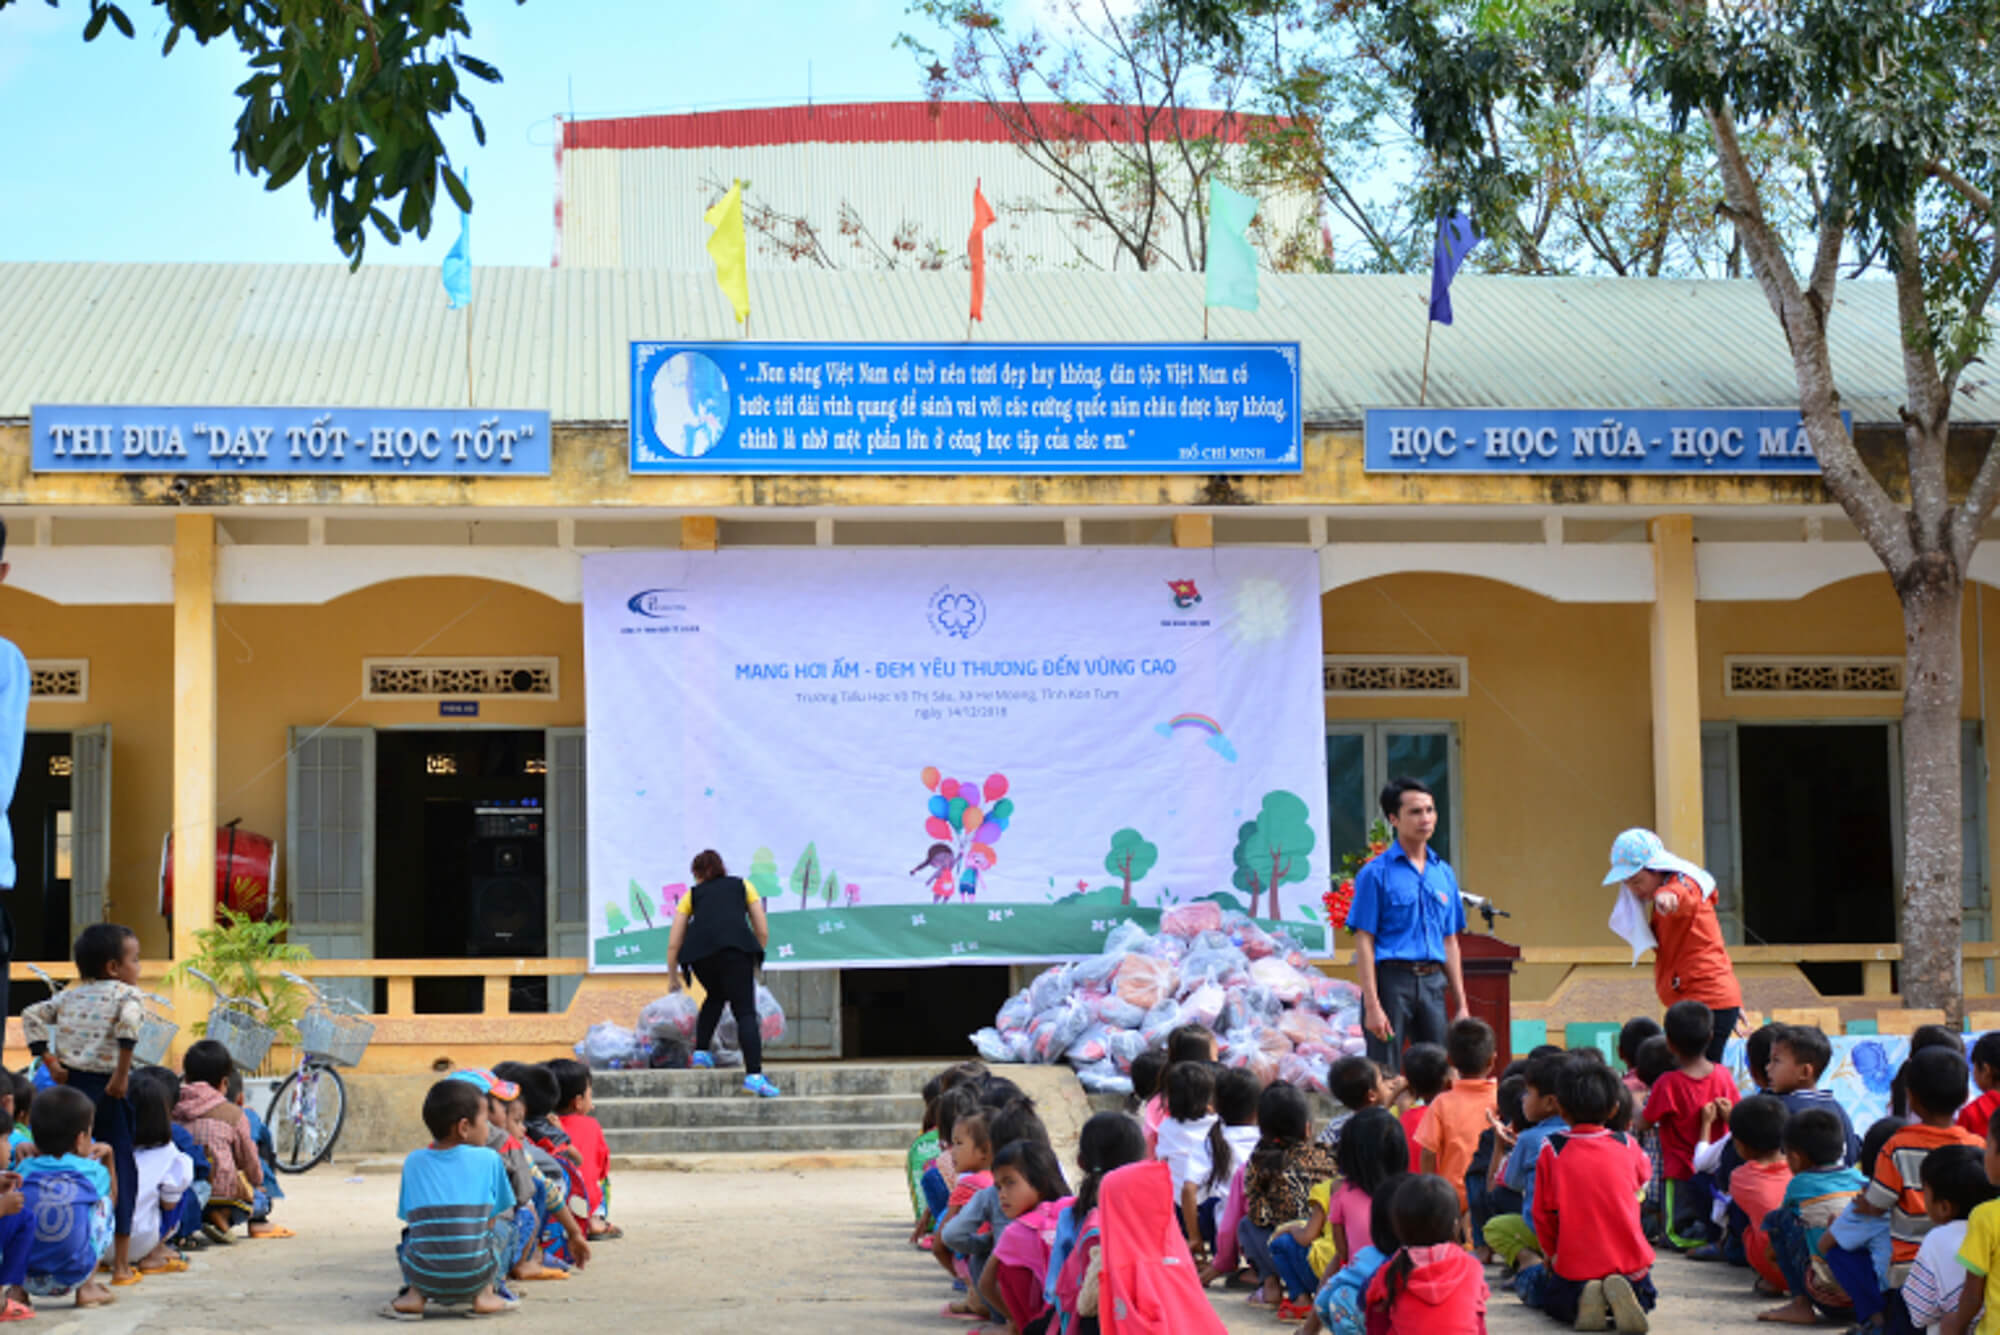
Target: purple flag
<point>1456,238</point>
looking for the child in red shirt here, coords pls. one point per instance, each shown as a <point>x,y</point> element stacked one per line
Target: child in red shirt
<point>573,1113</point>
<point>1431,1286</point>
<point>1757,1127</point>
<point>1675,1107</point>
<point>1426,1070</point>
<point>1589,1180</point>
<point>1986,1074</point>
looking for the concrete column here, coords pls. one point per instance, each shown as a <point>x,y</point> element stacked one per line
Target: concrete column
<point>1194,530</point>
<point>194,747</point>
<point>1676,689</point>
<point>700,533</point>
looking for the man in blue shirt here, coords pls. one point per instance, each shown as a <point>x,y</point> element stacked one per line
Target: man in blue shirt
<point>13,736</point>
<point>1406,918</point>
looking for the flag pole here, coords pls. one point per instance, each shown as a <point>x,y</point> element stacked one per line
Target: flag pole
<point>470,400</point>
<point>1424,385</point>
<point>1204,324</point>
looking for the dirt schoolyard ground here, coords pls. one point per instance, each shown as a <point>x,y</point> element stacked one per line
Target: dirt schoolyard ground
<point>704,1254</point>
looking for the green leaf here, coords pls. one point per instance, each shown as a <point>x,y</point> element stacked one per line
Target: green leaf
<point>459,194</point>
<point>118,17</point>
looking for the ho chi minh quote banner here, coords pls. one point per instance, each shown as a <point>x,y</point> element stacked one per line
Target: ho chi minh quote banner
<point>945,756</point>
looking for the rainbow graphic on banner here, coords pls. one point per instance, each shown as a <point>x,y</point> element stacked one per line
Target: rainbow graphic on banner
<point>1217,740</point>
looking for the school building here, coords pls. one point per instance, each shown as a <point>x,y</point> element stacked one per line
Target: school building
<point>381,669</point>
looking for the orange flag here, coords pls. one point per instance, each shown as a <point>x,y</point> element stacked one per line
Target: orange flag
<point>975,250</point>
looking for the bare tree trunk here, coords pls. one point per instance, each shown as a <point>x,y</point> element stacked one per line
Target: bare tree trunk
<point>1933,595</point>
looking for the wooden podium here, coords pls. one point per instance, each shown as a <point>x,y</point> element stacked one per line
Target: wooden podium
<point>1488,965</point>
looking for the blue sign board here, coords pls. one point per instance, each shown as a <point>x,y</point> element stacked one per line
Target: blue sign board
<point>370,442</point>
<point>1528,440</point>
<point>965,408</point>
<point>458,709</point>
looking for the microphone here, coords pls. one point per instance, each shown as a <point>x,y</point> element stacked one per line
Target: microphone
<point>1484,905</point>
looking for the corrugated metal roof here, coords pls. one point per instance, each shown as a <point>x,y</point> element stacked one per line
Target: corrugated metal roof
<point>894,122</point>
<point>557,339</point>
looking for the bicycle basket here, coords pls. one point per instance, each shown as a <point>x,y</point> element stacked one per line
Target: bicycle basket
<point>155,1037</point>
<point>247,1039</point>
<point>341,1039</point>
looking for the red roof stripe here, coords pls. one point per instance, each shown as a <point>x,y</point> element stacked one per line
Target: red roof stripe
<point>864,123</point>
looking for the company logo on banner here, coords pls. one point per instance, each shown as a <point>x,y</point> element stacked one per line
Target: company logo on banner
<point>744,407</point>
<point>996,768</point>
<point>1509,440</point>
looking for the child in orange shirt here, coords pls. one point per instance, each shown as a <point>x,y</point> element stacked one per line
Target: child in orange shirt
<point>1449,1134</point>
<point>1757,1126</point>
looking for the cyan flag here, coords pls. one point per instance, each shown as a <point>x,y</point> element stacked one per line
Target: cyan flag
<point>1456,238</point>
<point>457,267</point>
<point>1232,264</point>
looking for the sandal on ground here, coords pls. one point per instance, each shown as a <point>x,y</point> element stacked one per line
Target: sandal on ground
<point>276,1231</point>
<point>126,1282</point>
<point>217,1234</point>
<point>395,1313</point>
<point>952,1313</point>
<point>611,1234</point>
<point>16,1310</point>
<point>545,1275</point>
<point>173,1265</point>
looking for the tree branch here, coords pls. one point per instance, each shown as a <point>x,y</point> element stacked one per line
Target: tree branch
<point>1971,193</point>
<point>1927,416</point>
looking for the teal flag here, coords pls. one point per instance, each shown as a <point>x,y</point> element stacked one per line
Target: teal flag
<point>457,267</point>
<point>1232,264</point>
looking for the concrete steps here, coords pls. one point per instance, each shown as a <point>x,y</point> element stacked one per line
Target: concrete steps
<point>837,1111</point>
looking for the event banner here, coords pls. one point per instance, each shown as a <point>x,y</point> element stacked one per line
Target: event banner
<point>941,756</point>
<point>746,407</point>
<point>1536,440</point>
<point>370,442</point>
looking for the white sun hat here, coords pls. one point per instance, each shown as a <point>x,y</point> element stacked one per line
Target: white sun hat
<point>1632,852</point>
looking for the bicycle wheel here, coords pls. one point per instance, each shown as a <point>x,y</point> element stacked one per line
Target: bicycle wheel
<point>306,1115</point>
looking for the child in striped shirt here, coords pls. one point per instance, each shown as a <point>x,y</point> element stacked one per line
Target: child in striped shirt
<point>457,1206</point>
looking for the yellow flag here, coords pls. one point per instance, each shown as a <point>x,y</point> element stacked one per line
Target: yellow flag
<point>726,248</point>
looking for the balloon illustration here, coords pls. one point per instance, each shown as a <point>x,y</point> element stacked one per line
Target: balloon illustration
<point>988,833</point>
<point>1002,810</point>
<point>964,820</point>
<point>938,806</point>
<point>968,790</point>
<point>995,787</point>
<point>956,811</point>
<point>931,777</point>
<point>948,788</point>
<point>970,821</point>
<point>936,828</point>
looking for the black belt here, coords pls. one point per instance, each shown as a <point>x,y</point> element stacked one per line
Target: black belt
<point>1421,968</point>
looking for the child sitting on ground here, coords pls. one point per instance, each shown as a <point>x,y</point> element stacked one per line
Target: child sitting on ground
<point>66,1193</point>
<point>1655,1060</point>
<point>1954,1186</point>
<point>166,1178</point>
<point>1451,1126</point>
<point>20,1140</point>
<point>1237,1091</point>
<point>267,1193</point>
<point>1980,1253</point>
<point>223,1132</point>
<point>1757,1187</point>
<point>575,1105</point>
<point>1426,1072</point>
<point>1430,1286</point>
<point>1028,1182</point>
<point>1934,1081</point>
<point>1191,1144</point>
<point>1675,1108</point>
<point>1985,1059</point>
<point>1277,1183</point>
<point>1799,1057</point>
<point>1108,1141</point>
<point>923,1151</point>
<point>1631,1037</point>
<point>1802,1246</point>
<point>972,1151</point>
<point>1588,1184</point>
<point>1342,1304</point>
<point>456,1206</point>
<point>1487,1185</point>
<point>1189,1043</point>
<point>1357,1083</point>
<point>1373,1156</point>
<point>1511,1237</point>
<point>1865,1235</point>
<point>977,1228</point>
<point>85,1036</point>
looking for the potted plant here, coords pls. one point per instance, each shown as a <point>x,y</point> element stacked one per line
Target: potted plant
<point>245,956</point>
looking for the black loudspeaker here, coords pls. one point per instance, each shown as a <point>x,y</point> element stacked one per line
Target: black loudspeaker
<point>509,884</point>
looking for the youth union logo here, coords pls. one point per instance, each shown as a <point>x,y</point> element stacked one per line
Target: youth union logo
<point>1185,593</point>
<point>959,613</point>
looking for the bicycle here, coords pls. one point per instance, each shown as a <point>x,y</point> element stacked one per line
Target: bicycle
<point>156,1031</point>
<point>310,1106</point>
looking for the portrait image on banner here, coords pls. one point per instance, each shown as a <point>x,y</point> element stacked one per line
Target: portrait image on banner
<point>937,756</point>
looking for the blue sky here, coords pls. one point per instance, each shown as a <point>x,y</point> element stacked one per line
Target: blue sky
<point>115,153</point>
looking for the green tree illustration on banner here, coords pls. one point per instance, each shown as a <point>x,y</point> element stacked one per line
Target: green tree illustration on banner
<point>1275,848</point>
<point>764,874</point>
<point>832,891</point>
<point>1130,858</point>
<point>640,908</point>
<point>805,875</point>
<point>614,918</point>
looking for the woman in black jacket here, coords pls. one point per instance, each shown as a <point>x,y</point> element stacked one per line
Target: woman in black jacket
<point>719,936</point>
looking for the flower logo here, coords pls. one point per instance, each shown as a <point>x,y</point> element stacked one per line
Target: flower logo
<point>958,613</point>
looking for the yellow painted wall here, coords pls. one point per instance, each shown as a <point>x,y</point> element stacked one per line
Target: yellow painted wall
<point>290,666</point>
<point>1555,737</point>
<point>131,688</point>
